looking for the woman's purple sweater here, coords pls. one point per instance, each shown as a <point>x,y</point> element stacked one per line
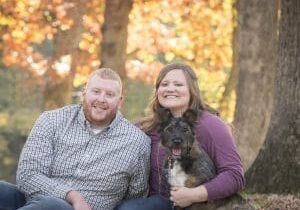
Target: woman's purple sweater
<point>214,136</point>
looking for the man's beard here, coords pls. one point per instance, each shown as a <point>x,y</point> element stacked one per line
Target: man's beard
<point>109,114</point>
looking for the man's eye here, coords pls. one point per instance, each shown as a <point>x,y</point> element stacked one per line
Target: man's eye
<point>110,95</point>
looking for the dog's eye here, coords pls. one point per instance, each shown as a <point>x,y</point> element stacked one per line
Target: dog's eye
<point>170,129</point>
<point>186,130</point>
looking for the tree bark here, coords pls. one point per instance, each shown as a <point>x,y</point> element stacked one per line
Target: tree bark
<point>255,62</point>
<point>114,35</point>
<point>232,79</point>
<point>277,167</point>
<point>58,89</point>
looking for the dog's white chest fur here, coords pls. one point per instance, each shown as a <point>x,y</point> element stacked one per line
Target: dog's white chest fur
<point>177,176</point>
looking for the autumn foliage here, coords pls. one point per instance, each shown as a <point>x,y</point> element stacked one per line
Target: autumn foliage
<point>159,32</point>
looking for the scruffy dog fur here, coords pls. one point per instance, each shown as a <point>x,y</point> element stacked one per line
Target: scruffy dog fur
<point>187,164</point>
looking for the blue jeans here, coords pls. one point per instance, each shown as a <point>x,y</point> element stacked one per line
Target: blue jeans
<point>11,199</point>
<point>155,202</point>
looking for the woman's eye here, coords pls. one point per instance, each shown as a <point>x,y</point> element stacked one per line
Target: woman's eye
<point>178,84</point>
<point>164,84</point>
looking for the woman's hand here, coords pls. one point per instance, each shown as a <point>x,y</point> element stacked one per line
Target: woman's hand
<point>183,196</point>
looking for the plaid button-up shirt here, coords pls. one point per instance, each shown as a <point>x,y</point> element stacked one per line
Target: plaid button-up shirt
<point>62,153</point>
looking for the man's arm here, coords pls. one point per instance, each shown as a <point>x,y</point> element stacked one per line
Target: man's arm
<point>33,175</point>
<point>138,185</point>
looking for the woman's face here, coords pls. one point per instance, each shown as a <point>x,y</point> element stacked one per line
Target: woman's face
<point>173,92</point>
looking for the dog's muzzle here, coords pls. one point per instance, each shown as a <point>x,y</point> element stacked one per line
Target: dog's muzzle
<point>177,141</point>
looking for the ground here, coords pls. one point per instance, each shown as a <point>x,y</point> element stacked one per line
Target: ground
<point>275,202</point>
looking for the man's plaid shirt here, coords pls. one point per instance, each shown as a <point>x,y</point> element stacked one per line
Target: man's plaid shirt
<point>62,153</point>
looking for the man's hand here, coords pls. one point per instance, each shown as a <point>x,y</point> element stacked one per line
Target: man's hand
<point>77,201</point>
<point>183,196</point>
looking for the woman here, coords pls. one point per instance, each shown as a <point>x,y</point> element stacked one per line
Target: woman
<point>177,89</point>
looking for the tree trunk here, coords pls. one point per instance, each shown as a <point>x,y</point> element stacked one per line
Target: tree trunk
<point>232,79</point>
<point>255,62</point>
<point>114,33</point>
<point>58,88</point>
<point>277,167</point>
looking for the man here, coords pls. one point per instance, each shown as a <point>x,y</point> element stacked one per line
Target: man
<point>82,157</point>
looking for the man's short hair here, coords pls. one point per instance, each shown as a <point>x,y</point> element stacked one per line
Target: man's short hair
<point>107,73</point>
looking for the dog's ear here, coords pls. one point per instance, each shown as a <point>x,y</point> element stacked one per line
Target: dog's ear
<point>164,116</point>
<point>190,116</point>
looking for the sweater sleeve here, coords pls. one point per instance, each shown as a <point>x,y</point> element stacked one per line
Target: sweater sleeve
<point>216,139</point>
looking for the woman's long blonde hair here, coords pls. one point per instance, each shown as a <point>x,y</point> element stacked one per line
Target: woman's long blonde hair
<point>150,122</point>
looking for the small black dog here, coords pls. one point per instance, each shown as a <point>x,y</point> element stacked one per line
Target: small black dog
<point>187,164</point>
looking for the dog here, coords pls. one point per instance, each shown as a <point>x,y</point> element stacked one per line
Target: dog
<point>188,164</point>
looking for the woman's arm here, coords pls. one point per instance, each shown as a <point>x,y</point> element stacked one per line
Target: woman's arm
<point>215,138</point>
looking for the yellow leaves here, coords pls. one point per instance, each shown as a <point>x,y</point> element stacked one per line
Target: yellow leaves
<point>34,3</point>
<point>3,119</point>
<point>79,80</point>
<point>8,161</point>
<point>63,65</point>
<point>21,5</point>
<point>145,56</point>
<point>169,56</point>
<point>3,145</point>
<point>89,43</point>
<point>160,31</point>
<point>37,37</point>
<point>212,85</point>
<point>6,21</point>
<point>21,120</point>
<point>18,34</point>
<point>91,24</point>
<point>135,69</point>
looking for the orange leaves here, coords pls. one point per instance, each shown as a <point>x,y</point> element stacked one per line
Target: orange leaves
<point>160,31</point>
<point>196,31</point>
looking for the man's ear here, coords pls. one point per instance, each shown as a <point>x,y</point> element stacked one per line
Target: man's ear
<point>121,102</point>
<point>82,95</point>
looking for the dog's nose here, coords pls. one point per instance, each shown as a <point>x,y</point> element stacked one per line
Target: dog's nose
<point>177,141</point>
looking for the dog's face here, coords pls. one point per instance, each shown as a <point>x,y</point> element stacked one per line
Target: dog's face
<point>177,134</point>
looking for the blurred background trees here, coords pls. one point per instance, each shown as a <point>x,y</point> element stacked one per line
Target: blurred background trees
<point>277,166</point>
<point>255,63</point>
<point>48,47</point>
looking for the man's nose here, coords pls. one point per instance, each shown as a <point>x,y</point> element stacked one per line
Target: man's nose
<point>101,97</point>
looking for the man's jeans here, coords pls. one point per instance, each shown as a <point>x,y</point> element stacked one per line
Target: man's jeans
<point>11,199</point>
<point>155,202</point>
